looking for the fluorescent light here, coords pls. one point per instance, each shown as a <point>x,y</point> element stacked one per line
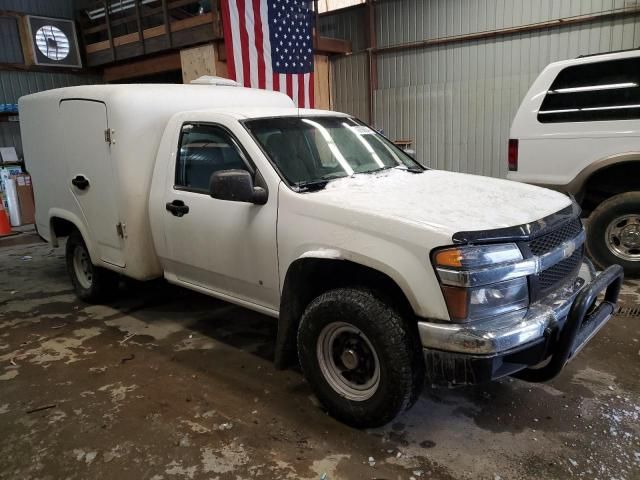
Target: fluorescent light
<point>332,145</point>
<point>371,151</point>
<point>593,88</point>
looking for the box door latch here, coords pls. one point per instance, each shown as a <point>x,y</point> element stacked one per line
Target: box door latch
<point>108,136</point>
<point>121,228</point>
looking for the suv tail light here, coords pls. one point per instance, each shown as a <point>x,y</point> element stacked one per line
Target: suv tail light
<point>513,155</point>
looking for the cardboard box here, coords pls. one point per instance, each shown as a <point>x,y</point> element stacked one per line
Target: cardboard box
<point>8,155</point>
<point>25,199</point>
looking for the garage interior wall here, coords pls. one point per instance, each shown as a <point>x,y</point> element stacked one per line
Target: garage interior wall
<point>456,101</point>
<point>16,82</point>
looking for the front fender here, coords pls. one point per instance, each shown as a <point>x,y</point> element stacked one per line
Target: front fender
<point>332,253</point>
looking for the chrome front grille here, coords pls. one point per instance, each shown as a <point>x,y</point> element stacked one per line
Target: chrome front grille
<point>564,271</point>
<point>560,273</point>
<point>545,243</point>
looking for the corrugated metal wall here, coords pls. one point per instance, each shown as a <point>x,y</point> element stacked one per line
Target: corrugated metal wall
<point>46,8</point>
<point>347,24</point>
<point>457,101</point>
<point>11,51</point>
<point>350,85</point>
<point>15,83</point>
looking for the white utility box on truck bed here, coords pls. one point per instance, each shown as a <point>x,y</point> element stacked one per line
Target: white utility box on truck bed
<point>381,273</point>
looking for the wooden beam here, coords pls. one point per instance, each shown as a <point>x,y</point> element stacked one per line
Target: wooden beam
<point>130,18</point>
<point>25,40</point>
<point>182,39</point>
<point>167,22</point>
<point>370,25</point>
<point>167,62</point>
<point>216,18</point>
<point>139,24</point>
<point>151,32</point>
<point>109,32</point>
<point>331,45</point>
<point>20,67</point>
<point>322,82</point>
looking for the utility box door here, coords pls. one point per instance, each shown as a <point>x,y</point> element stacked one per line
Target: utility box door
<point>89,158</point>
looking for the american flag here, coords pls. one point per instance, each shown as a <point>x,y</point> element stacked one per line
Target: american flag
<point>269,45</point>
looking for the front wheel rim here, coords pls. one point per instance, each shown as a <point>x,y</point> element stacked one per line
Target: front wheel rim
<point>82,267</point>
<point>623,237</point>
<point>348,361</point>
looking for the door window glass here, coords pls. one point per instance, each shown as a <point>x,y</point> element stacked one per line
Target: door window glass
<point>204,150</point>
<point>594,92</point>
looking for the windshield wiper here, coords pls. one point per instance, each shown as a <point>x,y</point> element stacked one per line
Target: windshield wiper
<point>311,185</point>
<point>318,184</point>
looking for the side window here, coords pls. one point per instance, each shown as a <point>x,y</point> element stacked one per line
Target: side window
<point>598,91</point>
<point>203,150</point>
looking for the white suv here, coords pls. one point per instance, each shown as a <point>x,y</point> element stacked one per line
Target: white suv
<point>578,131</point>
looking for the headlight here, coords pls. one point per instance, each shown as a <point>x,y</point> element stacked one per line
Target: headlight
<point>482,281</point>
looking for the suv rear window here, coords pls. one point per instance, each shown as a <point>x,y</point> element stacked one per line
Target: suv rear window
<point>594,92</point>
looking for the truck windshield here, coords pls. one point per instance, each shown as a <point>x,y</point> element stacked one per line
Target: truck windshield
<point>311,151</point>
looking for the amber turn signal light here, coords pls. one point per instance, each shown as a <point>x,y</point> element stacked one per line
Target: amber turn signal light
<point>457,300</point>
<point>452,257</point>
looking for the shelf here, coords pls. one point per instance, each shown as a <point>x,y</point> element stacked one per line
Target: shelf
<point>9,117</point>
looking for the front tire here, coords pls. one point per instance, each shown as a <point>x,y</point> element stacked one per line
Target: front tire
<point>92,284</point>
<point>613,234</point>
<point>359,356</point>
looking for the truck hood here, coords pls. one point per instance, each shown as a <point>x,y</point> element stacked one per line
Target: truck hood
<point>442,201</point>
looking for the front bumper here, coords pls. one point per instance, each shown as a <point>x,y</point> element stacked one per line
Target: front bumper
<point>552,330</point>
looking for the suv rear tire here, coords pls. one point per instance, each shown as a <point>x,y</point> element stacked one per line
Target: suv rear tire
<point>92,284</point>
<point>363,362</point>
<point>613,233</point>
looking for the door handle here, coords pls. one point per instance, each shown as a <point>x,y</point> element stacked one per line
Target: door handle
<point>177,208</point>
<point>80,182</point>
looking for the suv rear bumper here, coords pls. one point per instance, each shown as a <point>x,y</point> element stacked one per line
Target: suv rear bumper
<point>552,330</point>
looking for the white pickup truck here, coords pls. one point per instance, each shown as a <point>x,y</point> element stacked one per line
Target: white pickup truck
<point>381,273</point>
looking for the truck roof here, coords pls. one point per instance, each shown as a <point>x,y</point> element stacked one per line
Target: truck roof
<point>141,99</point>
<point>243,113</point>
<point>246,103</point>
<point>106,92</point>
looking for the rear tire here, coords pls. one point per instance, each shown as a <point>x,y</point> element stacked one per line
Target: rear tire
<point>613,233</point>
<point>362,361</point>
<point>92,284</point>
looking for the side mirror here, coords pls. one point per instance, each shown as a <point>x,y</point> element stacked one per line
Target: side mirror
<point>236,186</point>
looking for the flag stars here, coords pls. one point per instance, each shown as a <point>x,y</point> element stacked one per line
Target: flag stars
<point>290,22</point>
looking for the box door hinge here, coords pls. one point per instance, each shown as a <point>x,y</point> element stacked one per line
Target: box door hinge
<point>108,136</point>
<point>121,228</point>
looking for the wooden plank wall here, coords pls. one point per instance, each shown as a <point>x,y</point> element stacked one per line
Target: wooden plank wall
<point>202,60</point>
<point>321,83</point>
<point>205,60</point>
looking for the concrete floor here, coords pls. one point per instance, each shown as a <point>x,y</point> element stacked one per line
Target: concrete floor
<point>168,384</point>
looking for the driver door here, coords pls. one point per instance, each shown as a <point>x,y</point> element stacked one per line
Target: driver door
<point>225,247</point>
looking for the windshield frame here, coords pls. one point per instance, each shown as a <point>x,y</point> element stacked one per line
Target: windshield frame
<point>321,182</point>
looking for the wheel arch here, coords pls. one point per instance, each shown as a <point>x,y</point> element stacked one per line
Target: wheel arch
<point>62,223</point>
<point>307,277</point>
<point>606,178</point>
